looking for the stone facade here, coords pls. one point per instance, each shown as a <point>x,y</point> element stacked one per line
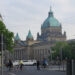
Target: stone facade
<point>51,32</point>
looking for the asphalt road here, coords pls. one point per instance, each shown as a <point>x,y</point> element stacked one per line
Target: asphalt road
<point>31,70</point>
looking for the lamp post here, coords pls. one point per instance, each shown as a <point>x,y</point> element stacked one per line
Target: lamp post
<point>61,54</point>
<point>51,55</point>
<point>2,54</point>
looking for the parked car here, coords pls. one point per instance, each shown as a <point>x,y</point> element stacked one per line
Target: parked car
<point>25,62</point>
<point>16,62</point>
<point>29,62</point>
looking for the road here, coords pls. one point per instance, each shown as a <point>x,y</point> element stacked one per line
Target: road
<point>31,70</point>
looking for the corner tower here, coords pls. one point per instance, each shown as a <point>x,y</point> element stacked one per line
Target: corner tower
<point>17,38</point>
<point>29,38</point>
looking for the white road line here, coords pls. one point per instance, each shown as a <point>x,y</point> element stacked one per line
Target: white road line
<point>11,74</point>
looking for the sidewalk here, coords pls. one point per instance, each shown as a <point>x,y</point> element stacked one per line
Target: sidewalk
<point>31,70</point>
<point>4,68</point>
<point>57,68</point>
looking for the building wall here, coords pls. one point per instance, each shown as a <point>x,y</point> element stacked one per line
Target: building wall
<point>52,33</point>
<point>41,51</point>
<point>40,48</point>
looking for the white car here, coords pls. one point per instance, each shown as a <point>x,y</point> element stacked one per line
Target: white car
<point>16,63</point>
<point>29,62</point>
<point>25,62</point>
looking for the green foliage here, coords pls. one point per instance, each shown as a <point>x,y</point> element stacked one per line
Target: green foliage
<point>72,48</point>
<point>57,49</point>
<point>66,48</point>
<point>66,52</point>
<point>7,36</point>
<point>2,27</point>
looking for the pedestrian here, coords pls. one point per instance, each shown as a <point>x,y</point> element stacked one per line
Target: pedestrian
<point>21,64</point>
<point>45,63</point>
<point>10,64</point>
<point>38,65</point>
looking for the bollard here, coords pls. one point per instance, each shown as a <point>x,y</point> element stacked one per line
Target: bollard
<point>69,67</point>
<point>73,67</point>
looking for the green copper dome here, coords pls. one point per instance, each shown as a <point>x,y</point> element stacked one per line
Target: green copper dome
<point>17,37</point>
<point>50,21</point>
<point>29,36</point>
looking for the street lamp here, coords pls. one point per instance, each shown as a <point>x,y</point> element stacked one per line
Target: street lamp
<point>2,54</point>
<point>61,54</point>
<point>51,54</point>
<point>2,47</point>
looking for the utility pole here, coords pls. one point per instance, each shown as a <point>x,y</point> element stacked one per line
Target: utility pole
<point>61,54</point>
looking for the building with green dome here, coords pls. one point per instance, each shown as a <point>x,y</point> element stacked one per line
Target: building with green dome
<point>51,32</point>
<point>51,29</point>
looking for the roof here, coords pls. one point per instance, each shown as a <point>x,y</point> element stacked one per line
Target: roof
<point>17,37</point>
<point>50,21</point>
<point>22,43</point>
<point>44,43</point>
<point>29,36</point>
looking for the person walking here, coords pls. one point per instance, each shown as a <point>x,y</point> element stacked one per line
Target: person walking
<point>38,65</point>
<point>45,63</point>
<point>10,64</point>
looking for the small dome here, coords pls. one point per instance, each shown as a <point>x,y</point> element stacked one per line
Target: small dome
<point>50,21</point>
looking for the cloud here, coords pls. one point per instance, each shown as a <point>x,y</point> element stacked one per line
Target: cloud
<point>70,30</point>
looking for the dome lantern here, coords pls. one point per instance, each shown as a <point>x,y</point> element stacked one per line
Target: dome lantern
<point>50,12</point>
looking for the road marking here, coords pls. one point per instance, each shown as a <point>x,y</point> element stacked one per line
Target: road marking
<point>11,74</point>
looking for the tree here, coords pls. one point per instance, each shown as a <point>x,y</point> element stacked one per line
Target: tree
<point>72,48</point>
<point>7,37</point>
<point>66,49</point>
<point>58,49</point>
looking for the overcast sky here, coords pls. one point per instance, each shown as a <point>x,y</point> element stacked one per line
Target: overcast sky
<point>21,15</point>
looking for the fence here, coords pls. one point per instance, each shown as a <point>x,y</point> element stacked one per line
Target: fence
<point>70,67</point>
